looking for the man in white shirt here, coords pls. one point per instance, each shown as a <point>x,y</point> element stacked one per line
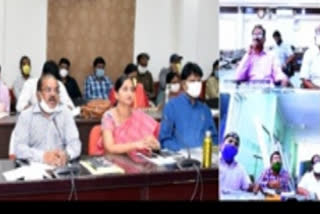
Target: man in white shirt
<point>284,53</point>
<point>310,69</point>
<point>28,96</point>
<point>310,183</point>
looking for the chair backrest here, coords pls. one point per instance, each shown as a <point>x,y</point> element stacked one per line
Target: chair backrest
<point>94,137</point>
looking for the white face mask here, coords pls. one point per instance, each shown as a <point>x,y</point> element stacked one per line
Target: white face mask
<point>194,89</point>
<point>317,40</point>
<point>175,87</point>
<point>44,106</point>
<point>63,72</point>
<point>142,70</point>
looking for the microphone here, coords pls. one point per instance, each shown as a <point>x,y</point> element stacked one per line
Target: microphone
<point>185,163</point>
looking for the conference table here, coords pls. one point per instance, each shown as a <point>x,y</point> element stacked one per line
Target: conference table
<point>141,181</point>
<point>84,126</point>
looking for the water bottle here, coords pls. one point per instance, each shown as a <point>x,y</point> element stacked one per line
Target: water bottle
<point>207,151</point>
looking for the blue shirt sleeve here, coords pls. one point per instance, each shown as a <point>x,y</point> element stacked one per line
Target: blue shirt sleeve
<point>87,92</point>
<point>166,136</point>
<point>210,125</point>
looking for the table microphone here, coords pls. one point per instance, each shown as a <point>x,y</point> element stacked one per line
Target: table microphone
<point>185,163</point>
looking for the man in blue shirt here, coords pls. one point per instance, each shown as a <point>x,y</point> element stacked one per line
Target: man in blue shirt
<point>98,86</point>
<point>186,119</point>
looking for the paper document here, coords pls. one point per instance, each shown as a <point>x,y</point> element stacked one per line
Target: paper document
<point>34,171</point>
<point>76,111</point>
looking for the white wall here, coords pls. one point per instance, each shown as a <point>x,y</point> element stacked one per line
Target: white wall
<point>188,27</point>
<point>24,32</point>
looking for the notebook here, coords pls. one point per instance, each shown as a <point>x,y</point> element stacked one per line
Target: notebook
<point>100,166</point>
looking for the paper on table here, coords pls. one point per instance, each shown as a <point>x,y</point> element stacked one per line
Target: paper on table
<point>76,111</point>
<point>159,160</point>
<point>34,171</point>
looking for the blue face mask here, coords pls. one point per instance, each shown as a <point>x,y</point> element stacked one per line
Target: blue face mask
<point>229,152</point>
<point>99,72</point>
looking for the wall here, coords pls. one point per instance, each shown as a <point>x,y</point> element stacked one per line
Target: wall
<point>188,27</point>
<point>81,30</point>
<point>22,32</point>
<point>155,32</point>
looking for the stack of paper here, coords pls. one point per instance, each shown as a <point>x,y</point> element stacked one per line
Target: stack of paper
<point>34,171</point>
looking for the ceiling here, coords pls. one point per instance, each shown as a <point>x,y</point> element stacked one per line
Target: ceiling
<point>272,3</point>
<point>301,111</point>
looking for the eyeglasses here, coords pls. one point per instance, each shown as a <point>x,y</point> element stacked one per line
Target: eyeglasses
<point>49,90</point>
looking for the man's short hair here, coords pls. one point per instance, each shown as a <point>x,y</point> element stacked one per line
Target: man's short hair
<point>99,60</point>
<point>233,135</point>
<point>261,28</point>
<point>276,34</point>
<point>143,55</point>
<point>189,69</point>
<point>275,153</point>
<point>64,61</point>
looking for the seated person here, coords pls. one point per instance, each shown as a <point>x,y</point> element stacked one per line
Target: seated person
<point>258,64</point>
<point>309,185</point>
<point>185,119</point>
<point>69,82</point>
<point>25,70</point>
<point>28,96</point>
<point>98,85</point>
<point>4,97</point>
<point>175,66</point>
<point>144,75</point>
<point>276,177</point>
<point>174,89</point>
<point>212,85</point>
<point>232,175</point>
<point>140,98</point>
<point>46,132</point>
<point>126,130</point>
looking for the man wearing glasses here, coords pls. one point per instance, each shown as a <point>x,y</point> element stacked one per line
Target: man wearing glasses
<point>232,175</point>
<point>258,65</point>
<point>46,132</point>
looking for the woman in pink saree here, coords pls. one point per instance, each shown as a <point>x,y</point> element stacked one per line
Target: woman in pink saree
<point>125,129</point>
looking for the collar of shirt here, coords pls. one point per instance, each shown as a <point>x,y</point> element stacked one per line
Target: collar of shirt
<point>37,110</point>
<point>281,173</point>
<point>262,53</point>
<point>99,79</point>
<point>233,165</point>
<point>187,100</point>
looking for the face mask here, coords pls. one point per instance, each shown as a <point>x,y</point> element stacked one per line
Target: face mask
<point>194,89</point>
<point>63,72</point>
<point>142,70</point>
<point>229,152</point>
<point>26,70</point>
<point>276,167</point>
<point>99,72</point>
<point>317,40</point>
<point>174,87</point>
<point>44,106</point>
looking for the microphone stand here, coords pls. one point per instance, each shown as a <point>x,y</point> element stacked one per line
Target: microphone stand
<point>184,163</point>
